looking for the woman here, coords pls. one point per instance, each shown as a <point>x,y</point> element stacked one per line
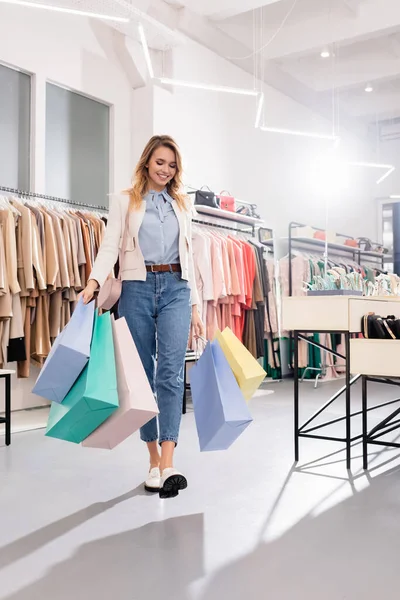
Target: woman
<point>159,296</point>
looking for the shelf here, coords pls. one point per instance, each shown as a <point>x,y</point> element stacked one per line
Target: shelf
<point>334,313</point>
<point>371,253</point>
<point>379,358</point>
<point>321,244</point>
<point>226,215</point>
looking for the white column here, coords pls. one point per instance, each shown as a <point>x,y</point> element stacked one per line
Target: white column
<point>38,129</point>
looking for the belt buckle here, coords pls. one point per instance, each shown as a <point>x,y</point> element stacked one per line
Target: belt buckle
<point>152,268</point>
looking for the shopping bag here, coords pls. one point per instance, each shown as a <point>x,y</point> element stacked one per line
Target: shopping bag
<point>137,405</point>
<point>247,370</point>
<point>68,356</point>
<point>220,410</point>
<point>94,397</point>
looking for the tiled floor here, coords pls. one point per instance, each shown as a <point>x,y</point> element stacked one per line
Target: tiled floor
<point>76,523</point>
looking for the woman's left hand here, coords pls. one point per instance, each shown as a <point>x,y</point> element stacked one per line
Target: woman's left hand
<point>197,323</point>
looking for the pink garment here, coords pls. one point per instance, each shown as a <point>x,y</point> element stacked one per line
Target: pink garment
<point>300,269</point>
<point>273,310</point>
<point>203,271</point>
<point>235,288</point>
<point>225,265</point>
<point>300,274</point>
<point>239,260</point>
<point>213,320</point>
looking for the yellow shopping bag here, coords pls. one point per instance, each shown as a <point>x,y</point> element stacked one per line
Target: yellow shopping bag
<point>248,372</point>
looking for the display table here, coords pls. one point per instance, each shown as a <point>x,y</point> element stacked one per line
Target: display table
<point>377,361</point>
<point>306,315</point>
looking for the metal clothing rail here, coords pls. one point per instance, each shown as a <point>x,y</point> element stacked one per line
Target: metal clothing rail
<point>26,194</point>
<point>357,253</point>
<point>354,251</point>
<point>209,224</point>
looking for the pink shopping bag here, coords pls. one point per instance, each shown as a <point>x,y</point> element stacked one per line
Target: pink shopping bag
<point>137,405</point>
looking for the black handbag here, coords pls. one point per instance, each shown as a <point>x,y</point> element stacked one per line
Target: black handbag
<point>205,197</point>
<point>249,210</point>
<point>382,328</point>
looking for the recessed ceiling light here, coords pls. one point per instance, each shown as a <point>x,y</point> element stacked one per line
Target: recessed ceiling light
<point>325,54</point>
<point>369,88</point>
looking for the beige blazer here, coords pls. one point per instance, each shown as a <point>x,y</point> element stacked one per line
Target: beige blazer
<point>133,265</point>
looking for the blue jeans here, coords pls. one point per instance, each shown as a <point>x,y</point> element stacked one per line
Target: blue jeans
<point>158,313</point>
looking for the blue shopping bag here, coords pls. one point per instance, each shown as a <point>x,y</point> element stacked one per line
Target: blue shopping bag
<point>94,396</point>
<point>68,356</point>
<point>220,410</point>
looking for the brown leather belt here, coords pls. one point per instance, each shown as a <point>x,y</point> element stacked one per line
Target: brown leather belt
<point>163,268</point>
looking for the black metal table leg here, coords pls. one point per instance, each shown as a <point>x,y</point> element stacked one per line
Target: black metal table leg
<point>8,409</point>
<point>296,395</point>
<point>184,390</point>
<point>365,422</point>
<point>348,402</point>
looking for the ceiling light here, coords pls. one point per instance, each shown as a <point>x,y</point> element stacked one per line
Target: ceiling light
<point>388,168</point>
<point>143,16</point>
<point>318,136</point>
<point>146,50</point>
<point>208,86</point>
<point>369,88</point>
<point>260,104</point>
<point>395,197</point>
<point>70,11</point>
<point>325,54</point>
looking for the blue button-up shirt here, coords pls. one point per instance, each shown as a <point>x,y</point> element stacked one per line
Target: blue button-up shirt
<point>159,232</point>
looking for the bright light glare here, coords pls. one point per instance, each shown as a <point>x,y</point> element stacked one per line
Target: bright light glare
<point>298,132</point>
<point>70,11</point>
<point>325,54</point>
<point>207,86</point>
<point>330,175</point>
<point>146,50</point>
<point>387,168</point>
<point>260,104</point>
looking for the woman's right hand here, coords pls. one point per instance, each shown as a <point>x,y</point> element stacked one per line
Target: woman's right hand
<point>88,293</point>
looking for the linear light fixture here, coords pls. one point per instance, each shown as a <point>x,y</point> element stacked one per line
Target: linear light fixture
<point>146,50</point>
<point>388,168</point>
<point>70,11</point>
<point>143,16</point>
<point>309,134</point>
<point>260,105</point>
<point>395,197</point>
<point>207,86</point>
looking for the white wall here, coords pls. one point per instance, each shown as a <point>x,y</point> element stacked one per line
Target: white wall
<point>79,55</point>
<point>222,148</point>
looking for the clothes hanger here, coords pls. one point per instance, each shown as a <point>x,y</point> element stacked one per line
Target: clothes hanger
<point>5,202</point>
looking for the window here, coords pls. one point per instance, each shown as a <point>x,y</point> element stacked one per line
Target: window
<point>77,147</point>
<point>15,125</point>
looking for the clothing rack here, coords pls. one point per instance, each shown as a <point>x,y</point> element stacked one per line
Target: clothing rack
<point>209,224</point>
<point>357,253</point>
<point>26,194</point>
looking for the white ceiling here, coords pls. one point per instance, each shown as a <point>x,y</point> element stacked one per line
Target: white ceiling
<point>363,37</point>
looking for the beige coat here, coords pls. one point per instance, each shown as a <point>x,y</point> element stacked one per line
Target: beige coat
<point>133,265</point>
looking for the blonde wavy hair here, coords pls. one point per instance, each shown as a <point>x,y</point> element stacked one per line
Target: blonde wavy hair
<point>140,179</point>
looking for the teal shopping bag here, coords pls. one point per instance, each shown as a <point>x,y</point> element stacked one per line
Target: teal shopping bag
<point>93,397</point>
